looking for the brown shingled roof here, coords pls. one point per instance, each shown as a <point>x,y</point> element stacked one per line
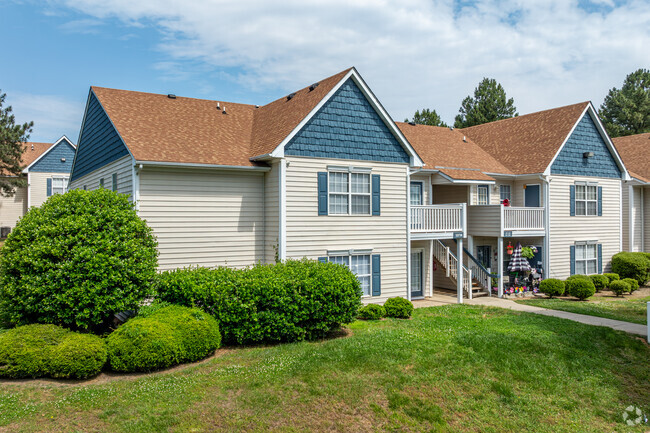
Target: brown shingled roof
<point>187,130</point>
<point>444,149</point>
<point>634,151</point>
<point>528,143</point>
<point>33,151</point>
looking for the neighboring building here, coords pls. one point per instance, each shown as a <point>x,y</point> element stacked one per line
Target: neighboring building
<point>635,151</point>
<point>47,169</point>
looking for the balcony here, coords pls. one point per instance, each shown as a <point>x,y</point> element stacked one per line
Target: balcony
<point>504,221</point>
<point>443,221</point>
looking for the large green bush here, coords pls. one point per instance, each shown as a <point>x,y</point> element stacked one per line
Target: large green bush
<point>289,301</point>
<point>581,288</point>
<point>399,308</point>
<point>634,284</point>
<point>619,287</point>
<point>75,261</point>
<point>49,350</point>
<point>372,312</point>
<point>171,335</point>
<point>552,287</point>
<point>601,282</point>
<point>612,277</point>
<point>632,265</point>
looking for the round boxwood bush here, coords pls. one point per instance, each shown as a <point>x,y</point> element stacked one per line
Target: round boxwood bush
<point>619,287</point>
<point>371,312</point>
<point>169,336</point>
<point>75,261</point>
<point>634,284</point>
<point>49,350</point>
<point>601,282</point>
<point>579,276</point>
<point>632,265</point>
<point>612,277</point>
<point>398,307</point>
<point>552,287</point>
<point>581,288</point>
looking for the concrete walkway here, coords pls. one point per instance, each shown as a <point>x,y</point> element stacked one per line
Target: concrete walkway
<point>631,328</point>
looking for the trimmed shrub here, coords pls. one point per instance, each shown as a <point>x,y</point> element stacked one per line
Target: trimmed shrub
<point>619,287</point>
<point>612,277</point>
<point>76,260</point>
<point>600,282</point>
<point>398,307</point>
<point>581,288</point>
<point>290,301</point>
<point>634,284</point>
<point>632,265</point>
<point>552,287</point>
<point>169,336</point>
<point>578,277</point>
<point>371,312</point>
<point>49,350</point>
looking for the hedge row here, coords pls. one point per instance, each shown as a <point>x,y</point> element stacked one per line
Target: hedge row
<point>290,301</point>
<point>49,350</point>
<point>632,265</point>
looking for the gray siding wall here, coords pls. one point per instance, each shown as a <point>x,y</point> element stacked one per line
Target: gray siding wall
<point>484,220</point>
<point>271,212</point>
<point>450,194</point>
<point>123,168</point>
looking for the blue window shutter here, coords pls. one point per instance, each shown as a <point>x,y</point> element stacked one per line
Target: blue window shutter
<point>572,197</point>
<point>600,258</point>
<point>49,187</point>
<point>600,201</point>
<point>572,255</point>
<point>376,275</point>
<point>323,259</point>
<point>376,194</point>
<point>322,193</point>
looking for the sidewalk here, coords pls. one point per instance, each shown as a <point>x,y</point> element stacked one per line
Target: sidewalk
<point>630,328</point>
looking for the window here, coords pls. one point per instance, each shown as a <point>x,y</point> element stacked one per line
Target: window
<point>504,192</point>
<point>349,193</point>
<point>114,182</point>
<point>101,182</point>
<point>483,195</point>
<point>586,259</point>
<point>416,194</point>
<point>59,185</point>
<point>484,255</point>
<point>586,200</point>
<point>360,266</point>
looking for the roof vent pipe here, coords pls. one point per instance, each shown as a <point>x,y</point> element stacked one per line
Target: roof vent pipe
<point>218,106</point>
<point>224,110</point>
<point>464,139</point>
<point>451,128</point>
<point>290,97</point>
<point>32,146</point>
<point>313,86</point>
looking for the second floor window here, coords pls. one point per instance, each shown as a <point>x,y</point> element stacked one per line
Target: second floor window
<point>587,200</point>
<point>349,193</point>
<point>59,185</point>
<point>504,191</point>
<point>483,195</point>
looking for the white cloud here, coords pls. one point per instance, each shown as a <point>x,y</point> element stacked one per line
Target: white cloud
<point>413,53</point>
<point>53,116</point>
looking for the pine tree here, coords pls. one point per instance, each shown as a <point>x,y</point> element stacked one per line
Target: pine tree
<point>488,104</point>
<point>626,111</point>
<point>12,138</point>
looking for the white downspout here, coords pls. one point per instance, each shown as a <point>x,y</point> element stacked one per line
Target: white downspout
<point>547,225</point>
<point>408,233</point>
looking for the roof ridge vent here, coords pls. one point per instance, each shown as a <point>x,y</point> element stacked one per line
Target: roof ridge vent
<point>451,128</point>
<point>290,97</point>
<point>412,123</point>
<point>171,96</point>
<point>313,86</point>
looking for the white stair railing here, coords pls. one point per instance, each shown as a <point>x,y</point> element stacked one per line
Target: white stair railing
<point>443,254</point>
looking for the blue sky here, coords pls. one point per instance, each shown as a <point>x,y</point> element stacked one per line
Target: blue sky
<point>412,53</point>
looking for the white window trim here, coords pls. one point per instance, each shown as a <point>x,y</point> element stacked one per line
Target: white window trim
<point>349,171</point>
<point>584,244</point>
<point>504,185</point>
<point>349,254</point>
<point>586,201</point>
<point>66,185</point>
<point>478,194</point>
<point>421,182</point>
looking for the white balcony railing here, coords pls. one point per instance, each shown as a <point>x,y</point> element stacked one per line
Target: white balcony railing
<point>523,218</point>
<point>438,218</point>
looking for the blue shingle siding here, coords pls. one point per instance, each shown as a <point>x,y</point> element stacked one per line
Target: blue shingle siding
<point>586,138</point>
<point>99,143</point>
<point>347,127</point>
<point>52,162</point>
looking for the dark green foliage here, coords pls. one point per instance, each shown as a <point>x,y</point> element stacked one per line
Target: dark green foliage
<point>611,277</point>
<point>634,284</point>
<point>12,137</point>
<point>619,287</point>
<point>169,336</point>
<point>427,117</point>
<point>581,288</point>
<point>371,312</point>
<point>489,103</point>
<point>632,265</point>
<point>399,308</point>
<point>626,111</point>
<point>579,277</point>
<point>49,350</point>
<point>148,310</point>
<point>75,261</point>
<point>601,282</point>
<point>289,301</point>
<point>552,287</point>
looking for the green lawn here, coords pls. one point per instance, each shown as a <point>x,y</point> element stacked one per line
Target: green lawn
<point>628,310</point>
<point>453,368</point>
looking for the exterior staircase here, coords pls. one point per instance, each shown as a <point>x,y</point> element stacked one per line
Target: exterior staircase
<point>476,278</point>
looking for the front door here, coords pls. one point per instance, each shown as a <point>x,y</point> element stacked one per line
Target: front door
<point>417,273</point>
<point>531,194</point>
<point>484,255</point>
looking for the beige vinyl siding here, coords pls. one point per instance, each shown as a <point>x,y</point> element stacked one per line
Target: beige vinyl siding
<point>625,203</point>
<point>271,212</point>
<point>484,220</point>
<point>637,219</point>
<point>204,217</point>
<point>443,194</point>
<point>565,230</point>
<point>38,186</point>
<point>519,190</point>
<point>123,168</point>
<point>13,208</point>
<point>426,186</point>
<point>311,235</point>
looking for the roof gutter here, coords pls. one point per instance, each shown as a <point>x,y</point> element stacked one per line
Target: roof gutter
<point>203,166</point>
